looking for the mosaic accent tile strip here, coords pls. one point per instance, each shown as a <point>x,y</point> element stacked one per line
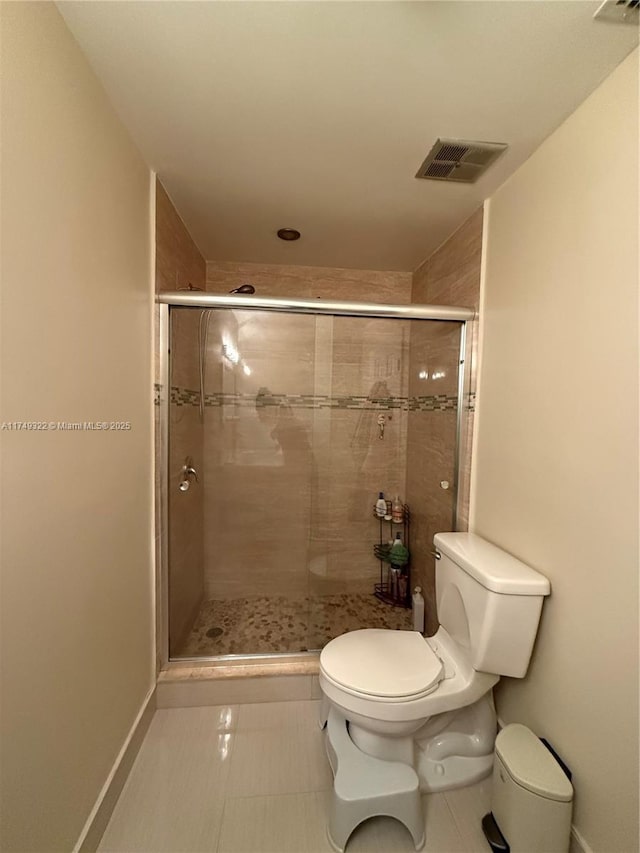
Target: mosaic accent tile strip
<point>307,401</point>
<point>427,403</point>
<point>184,397</point>
<point>433,403</point>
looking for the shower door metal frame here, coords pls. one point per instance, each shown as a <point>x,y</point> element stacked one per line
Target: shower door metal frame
<point>443,313</point>
<point>162,571</point>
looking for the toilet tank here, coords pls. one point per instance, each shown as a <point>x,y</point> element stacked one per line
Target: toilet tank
<point>488,602</point>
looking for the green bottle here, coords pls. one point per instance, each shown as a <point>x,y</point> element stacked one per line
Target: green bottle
<point>398,555</point>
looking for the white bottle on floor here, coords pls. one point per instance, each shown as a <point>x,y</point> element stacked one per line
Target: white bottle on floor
<point>418,610</point>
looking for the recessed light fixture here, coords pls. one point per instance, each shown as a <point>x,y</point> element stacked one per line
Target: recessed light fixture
<point>288,234</point>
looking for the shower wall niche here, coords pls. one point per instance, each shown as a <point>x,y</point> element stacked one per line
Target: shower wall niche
<point>305,418</point>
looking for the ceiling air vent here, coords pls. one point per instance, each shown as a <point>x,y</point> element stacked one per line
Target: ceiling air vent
<point>458,160</point>
<point>618,12</point>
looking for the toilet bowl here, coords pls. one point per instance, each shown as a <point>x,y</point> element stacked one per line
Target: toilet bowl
<point>427,702</point>
<point>407,718</point>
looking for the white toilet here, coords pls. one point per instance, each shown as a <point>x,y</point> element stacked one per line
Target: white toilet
<point>426,702</point>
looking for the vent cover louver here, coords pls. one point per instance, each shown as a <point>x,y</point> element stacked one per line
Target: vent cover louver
<point>458,160</point>
<point>618,12</point>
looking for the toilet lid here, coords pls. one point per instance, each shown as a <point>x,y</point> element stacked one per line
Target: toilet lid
<point>382,662</point>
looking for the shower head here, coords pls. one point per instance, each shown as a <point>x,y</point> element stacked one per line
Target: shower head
<point>244,288</point>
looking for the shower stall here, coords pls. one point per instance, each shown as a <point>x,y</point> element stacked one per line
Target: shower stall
<point>281,421</point>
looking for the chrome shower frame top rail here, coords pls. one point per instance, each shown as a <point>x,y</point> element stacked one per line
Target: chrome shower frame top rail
<point>318,306</point>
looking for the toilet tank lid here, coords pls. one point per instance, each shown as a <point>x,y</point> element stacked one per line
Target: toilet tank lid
<point>530,764</point>
<point>491,566</point>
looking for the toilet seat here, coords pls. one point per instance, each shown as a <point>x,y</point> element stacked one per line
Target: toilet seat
<point>383,665</point>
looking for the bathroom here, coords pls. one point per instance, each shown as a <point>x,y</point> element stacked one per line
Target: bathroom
<point>100,217</point>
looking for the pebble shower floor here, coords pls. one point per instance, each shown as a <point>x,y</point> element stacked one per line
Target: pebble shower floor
<point>276,624</point>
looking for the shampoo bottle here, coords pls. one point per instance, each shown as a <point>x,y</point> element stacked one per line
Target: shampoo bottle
<point>381,506</point>
<point>397,510</point>
<point>397,543</point>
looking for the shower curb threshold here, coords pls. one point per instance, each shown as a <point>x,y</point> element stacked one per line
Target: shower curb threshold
<point>212,671</point>
<point>218,684</point>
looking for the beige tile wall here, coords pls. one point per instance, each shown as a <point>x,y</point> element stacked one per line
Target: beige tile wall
<point>178,264</point>
<point>368,358</point>
<point>318,541</point>
<point>451,276</point>
<point>178,259</point>
<point>298,521</point>
<point>257,490</point>
<point>310,282</point>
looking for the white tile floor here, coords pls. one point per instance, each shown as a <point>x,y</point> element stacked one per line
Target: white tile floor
<point>255,779</point>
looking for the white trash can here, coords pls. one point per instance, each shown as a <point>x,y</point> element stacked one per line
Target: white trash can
<point>531,797</point>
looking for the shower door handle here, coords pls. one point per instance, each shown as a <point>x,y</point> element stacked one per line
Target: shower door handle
<point>188,471</point>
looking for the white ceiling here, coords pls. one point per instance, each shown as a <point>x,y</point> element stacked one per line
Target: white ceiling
<point>317,115</point>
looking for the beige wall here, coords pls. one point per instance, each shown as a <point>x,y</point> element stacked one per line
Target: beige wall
<point>450,276</point>
<point>556,463</point>
<point>77,649</point>
<point>178,265</point>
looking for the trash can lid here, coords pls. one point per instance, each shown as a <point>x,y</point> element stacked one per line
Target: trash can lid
<point>531,765</point>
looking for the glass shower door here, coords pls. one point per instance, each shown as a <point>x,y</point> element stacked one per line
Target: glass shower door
<point>255,491</point>
<point>386,422</point>
<point>292,424</point>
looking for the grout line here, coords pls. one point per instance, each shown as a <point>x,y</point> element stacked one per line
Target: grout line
<point>454,822</point>
<point>464,821</point>
<point>222,813</point>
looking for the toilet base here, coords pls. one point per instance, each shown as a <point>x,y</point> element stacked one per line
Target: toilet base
<point>450,750</point>
<point>458,750</point>
<point>454,772</point>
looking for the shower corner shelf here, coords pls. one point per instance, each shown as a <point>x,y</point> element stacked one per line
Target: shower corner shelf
<point>381,549</point>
